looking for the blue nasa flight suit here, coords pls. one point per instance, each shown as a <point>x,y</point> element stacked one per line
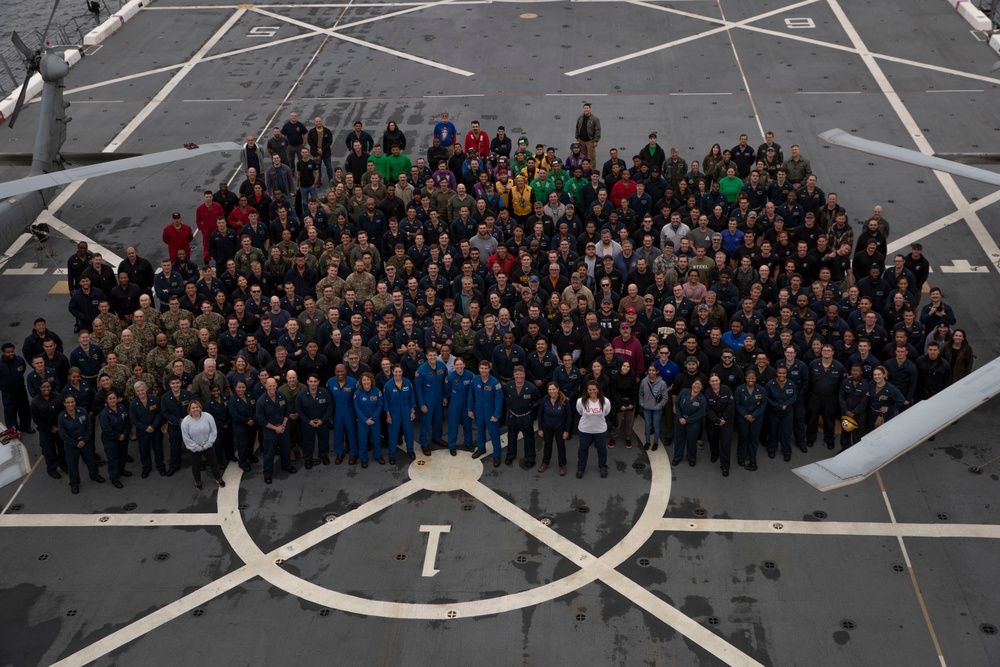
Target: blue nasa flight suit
<point>174,411</point>
<point>115,424</point>
<point>486,404</point>
<point>143,417</point>
<point>429,384</point>
<point>368,405</point>
<point>315,407</point>
<point>274,411</point>
<point>459,387</point>
<point>343,415</point>
<point>400,404</point>
<point>72,431</point>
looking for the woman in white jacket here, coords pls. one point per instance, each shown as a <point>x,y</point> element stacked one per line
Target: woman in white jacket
<point>593,408</point>
<point>199,432</point>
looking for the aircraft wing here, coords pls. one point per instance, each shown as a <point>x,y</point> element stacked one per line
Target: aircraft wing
<point>57,178</point>
<point>838,137</point>
<point>900,435</point>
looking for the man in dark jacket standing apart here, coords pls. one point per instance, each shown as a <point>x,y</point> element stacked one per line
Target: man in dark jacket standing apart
<point>588,132</point>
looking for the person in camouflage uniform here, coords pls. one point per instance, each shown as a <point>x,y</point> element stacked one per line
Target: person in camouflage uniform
<point>170,321</point>
<point>210,320</point>
<point>186,337</point>
<point>157,362</point>
<point>129,352</point>
<point>101,337</point>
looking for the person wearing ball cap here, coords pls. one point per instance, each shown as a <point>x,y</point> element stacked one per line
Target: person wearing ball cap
<point>629,348</point>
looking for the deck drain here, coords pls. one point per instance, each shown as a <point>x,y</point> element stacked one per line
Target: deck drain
<point>422,462</point>
<point>820,514</point>
<point>129,507</point>
<point>71,612</point>
<point>43,557</point>
<point>400,557</point>
<point>898,568</point>
<point>324,612</point>
<point>104,519</point>
<point>15,324</point>
<point>942,516</point>
<point>769,565</point>
<point>452,613</point>
<point>581,617</point>
<point>712,620</point>
<point>988,629</point>
<point>279,561</point>
<point>545,520</point>
<point>331,517</point>
<point>354,506</point>
<point>777,526</point>
<point>638,465</point>
<point>242,507</point>
<point>521,559</point>
<point>16,508</point>
<point>847,624</point>
<point>160,557</point>
<point>643,562</point>
<point>976,470</point>
<point>468,507</point>
<point>583,509</point>
<point>197,613</point>
<point>701,511</point>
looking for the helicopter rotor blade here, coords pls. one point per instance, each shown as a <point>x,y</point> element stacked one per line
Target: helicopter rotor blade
<point>48,25</point>
<point>22,47</point>
<point>20,100</point>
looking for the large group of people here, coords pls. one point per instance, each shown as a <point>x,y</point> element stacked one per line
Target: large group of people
<point>348,291</point>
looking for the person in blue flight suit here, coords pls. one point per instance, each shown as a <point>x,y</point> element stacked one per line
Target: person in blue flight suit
<point>74,429</point>
<point>342,389</point>
<point>147,418</point>
<point>429,384</point>
<point>884,400</point>
<point>273,413</point>
<point>781,397</point>
<point>522,400</point>
<point>115,427</point>
<point>751,404</point>
<point>458,385</point>
<point>368,407</point>
<point>243,413</point>
<point>400,411</point>
<point>174,405</point>
<point>485,406</point>
<point>315,407</point>
<point>798,373</point>
<point>689,413</point>
<point>854,398</point>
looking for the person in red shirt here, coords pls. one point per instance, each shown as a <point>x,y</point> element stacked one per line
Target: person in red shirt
<point>477,139</point>
<point>177,236</point>
<point>241,215</point>
<point>623,189</point>
<point>629,348</point>
<point>205,216</point>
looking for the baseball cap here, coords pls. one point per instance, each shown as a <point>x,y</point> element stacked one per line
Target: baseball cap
<point>624,325</point>
<point>533,279</point>
<point>752,214</point>
<point>503,158</point>
<point>702,307</point>
<point>575,145</point>
<point>691,360</point>
<point>594,326</point>
<point>871,241</point>
<point>630,310</point>
<point>567,319</point>
<point>176,215</point>
<point>607,299</point>
<point>570,206</point>
<point>770,149</point>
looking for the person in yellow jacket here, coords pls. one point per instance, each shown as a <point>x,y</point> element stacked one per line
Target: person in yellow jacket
<point>520,200</point>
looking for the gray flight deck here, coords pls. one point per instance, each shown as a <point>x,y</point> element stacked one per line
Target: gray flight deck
<point>652,566</point>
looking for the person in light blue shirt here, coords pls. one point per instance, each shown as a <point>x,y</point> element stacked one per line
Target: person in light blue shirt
<point>429,383</point>
<point>485,407</point>
<point>399,401</point>
<point>342,389</point>
<point>368,408</point>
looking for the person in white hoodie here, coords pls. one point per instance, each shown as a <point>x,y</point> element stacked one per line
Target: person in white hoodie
<point>198,430</point>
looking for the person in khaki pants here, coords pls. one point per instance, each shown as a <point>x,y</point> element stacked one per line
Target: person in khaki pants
<point>588,133</point>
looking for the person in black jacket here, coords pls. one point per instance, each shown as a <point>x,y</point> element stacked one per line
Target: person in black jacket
<point>16,410</point>
<point>555,417</point>
<point>719,418</point>
<point>45,409</point>
<point>624,393</point>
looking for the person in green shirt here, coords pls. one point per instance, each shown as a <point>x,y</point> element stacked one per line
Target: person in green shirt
<point>730,185</point>
<point>574,186</point>
<point>379,159</point>
<point>396,163</point>
<point>542,185</point>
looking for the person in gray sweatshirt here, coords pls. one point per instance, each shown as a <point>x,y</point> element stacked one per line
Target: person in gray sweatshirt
<point>199,432</point>
<point>653,395</point>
